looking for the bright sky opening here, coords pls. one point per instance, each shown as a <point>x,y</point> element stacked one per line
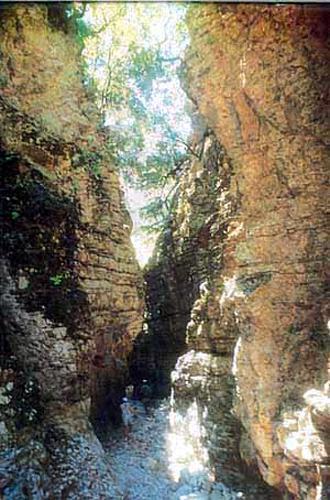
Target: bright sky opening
<point>163,25</point>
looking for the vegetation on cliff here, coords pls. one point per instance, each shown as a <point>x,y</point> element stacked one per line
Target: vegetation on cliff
<point>235,292</point>
<point>132,57</point>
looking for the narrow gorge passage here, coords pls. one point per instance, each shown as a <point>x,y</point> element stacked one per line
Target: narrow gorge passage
<point>164,458</point>
<point>164,186</point>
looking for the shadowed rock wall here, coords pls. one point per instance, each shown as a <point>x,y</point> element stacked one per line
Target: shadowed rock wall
<point>187,255</point>
<point>72,298</point>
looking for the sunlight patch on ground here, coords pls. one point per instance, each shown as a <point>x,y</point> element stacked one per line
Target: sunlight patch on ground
<point>187,456</point>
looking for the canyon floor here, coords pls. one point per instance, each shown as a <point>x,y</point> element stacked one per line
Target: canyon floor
<point>156,463</point>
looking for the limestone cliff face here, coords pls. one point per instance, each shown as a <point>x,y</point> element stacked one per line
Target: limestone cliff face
<point>187,255</point>
<point>72,298</point>
<point>183,285</point>
<point>259,78</point>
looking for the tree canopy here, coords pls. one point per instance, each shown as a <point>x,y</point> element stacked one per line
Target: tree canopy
<point>133,53</point>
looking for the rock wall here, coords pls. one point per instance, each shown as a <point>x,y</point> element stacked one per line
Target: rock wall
<point>187,254</point>
<point>182,285</point>
<point>71,290</point>
<point>258,76</point>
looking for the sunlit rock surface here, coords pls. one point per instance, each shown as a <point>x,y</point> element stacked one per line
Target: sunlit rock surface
<point>258,75</point>
<point>305,437</point>
<point>256,319</point>
<point>72,295</point>
<point>184,292</point>
<point>165,458</point>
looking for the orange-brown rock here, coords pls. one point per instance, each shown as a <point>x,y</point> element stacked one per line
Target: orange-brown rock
<point>259,77</point>
<point>72,291</point>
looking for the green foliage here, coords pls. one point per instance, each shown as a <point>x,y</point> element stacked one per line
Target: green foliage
<point>95,168</point>
<point>145,66</point>
<point>58,279</point>
<point>14,215</point>
<point>3,81</point>
<point>132,71</point>
<point>75,12</point>
<point>75,186</point>
<point>155,210</point>
<point>210,39</point>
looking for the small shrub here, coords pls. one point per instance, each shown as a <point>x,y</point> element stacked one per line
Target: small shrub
<point>58,279</point>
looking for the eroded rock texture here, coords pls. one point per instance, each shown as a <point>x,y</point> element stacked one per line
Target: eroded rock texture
<point>258,75</point>
<point>183,285</point>
<point>187,255</point>
<point>72,298</point>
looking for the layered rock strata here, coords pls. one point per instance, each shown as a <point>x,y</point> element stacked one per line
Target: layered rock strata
<point>187,254</point>
<point>72,298</point>
<point>258,75</point>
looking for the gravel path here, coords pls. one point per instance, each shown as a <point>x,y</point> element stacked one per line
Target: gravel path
<point>144,465</point>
